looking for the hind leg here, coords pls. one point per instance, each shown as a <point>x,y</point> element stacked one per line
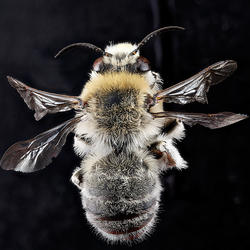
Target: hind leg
<point>163,148</point>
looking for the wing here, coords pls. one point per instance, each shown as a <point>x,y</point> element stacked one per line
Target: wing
<point>43,102</point>
<point>212,121</point>
<point>37,153</point>
<point>195,88</point>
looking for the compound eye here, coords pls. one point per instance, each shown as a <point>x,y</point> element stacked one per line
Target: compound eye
<point>143,64</point>
<point>98,64</point>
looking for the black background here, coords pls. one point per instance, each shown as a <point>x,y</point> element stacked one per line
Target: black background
<point>203,207</point>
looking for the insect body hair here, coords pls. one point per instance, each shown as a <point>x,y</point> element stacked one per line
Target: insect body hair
<point>121,194</point>
<point>119,177</point>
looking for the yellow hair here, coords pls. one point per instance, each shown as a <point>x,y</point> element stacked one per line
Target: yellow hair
<point>114,80</point>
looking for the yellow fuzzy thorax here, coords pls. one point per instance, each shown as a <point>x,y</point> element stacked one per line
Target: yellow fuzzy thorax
<point>114,80</point>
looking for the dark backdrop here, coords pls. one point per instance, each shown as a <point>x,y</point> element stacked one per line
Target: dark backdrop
<point>203,207</point>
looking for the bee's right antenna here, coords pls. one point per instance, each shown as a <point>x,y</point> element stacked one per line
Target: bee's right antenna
<point>86,45</point>
<point>153,34</point>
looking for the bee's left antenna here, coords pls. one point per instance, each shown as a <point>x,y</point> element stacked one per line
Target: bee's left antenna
<point>85,45</point>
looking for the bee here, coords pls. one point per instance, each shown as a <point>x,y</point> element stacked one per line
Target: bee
<point>123,135</point>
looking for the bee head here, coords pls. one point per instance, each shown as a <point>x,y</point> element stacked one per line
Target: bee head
<point>118,57</point>
<point>121,56</point>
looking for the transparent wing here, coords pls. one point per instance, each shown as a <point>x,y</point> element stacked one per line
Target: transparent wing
<point>37,153</point>
<point>43,102</point>
<point>211,121</point>
<point>195,88</point>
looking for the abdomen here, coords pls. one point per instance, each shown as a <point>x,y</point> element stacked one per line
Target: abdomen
<point>121,195</point>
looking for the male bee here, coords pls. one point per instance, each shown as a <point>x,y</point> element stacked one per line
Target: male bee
<point>122,133</point>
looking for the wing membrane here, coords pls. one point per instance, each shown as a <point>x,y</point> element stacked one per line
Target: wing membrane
<point>211,121</point>
<point>35,154</point>
<point>195,88</point>
<point>44,102</point>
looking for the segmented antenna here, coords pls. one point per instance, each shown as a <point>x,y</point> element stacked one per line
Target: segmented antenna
<point>86,45</point>
<point>153,34</point>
